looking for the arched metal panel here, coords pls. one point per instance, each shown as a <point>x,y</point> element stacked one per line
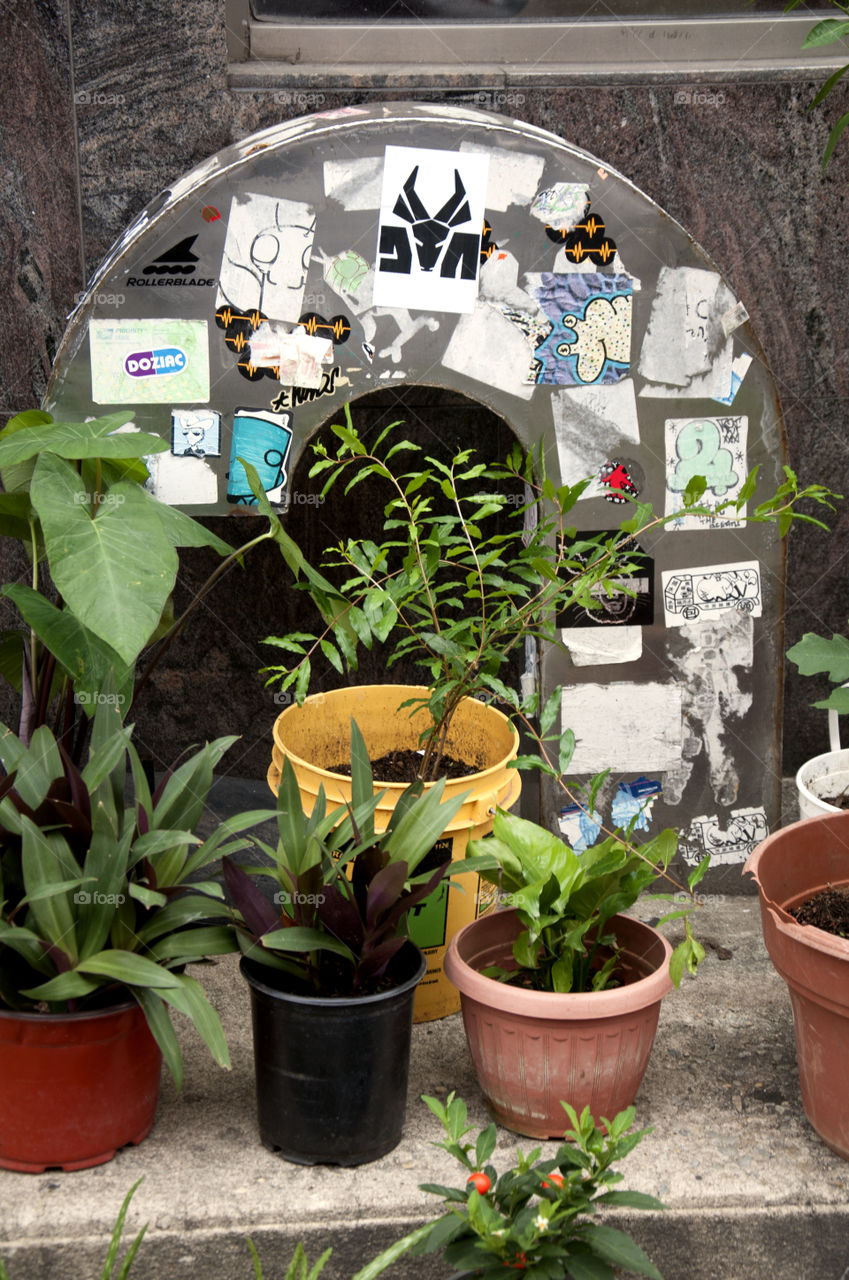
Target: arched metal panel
<point>374,246</point>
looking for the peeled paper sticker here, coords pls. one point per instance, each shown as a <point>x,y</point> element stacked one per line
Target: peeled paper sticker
<point>355,183</point>
<point>562,205</point>
<point>592,424</point>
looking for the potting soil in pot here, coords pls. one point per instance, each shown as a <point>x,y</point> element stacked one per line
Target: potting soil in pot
<point>403,766</point>
<point>828,910</point>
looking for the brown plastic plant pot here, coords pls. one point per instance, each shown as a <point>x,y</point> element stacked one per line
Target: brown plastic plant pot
<point>789,866</point>
<point>75,1087</point>
<point>532,1049</point>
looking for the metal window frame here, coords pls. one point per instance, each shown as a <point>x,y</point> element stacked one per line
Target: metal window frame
<point>457,55</point>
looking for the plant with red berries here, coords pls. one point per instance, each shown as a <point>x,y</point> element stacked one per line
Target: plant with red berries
<point>537,1218</point>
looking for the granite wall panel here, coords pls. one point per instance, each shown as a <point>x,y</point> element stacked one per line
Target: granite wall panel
<point>738,166</point>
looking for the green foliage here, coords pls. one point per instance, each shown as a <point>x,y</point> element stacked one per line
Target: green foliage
<point>444,589</point>
<point>298,1268</point>
<point>828,31</point>
<point>100,899</point>
<point>111,1262</point>
<point>565,900</point>
<point>815,655</point>
<point>343,890</point>
<point>75,499</point>
<point>537,1217</point>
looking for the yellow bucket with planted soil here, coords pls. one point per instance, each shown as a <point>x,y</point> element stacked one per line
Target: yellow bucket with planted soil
<point>317,735</point>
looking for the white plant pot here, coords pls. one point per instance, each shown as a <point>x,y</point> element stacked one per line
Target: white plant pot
<point>825,775</point>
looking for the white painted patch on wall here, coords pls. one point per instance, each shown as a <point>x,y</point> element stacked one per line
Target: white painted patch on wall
<point>356,184</point>
<point>513,176</point>
<point>630,728</point>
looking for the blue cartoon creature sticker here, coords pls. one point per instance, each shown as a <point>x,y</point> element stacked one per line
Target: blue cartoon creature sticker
<point>262,439</point>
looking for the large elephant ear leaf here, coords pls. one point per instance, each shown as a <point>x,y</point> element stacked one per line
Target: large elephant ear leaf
<point>115,568</point>
<point>82,655</point>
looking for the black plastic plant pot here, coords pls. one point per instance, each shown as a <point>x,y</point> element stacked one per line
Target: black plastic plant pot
<point>331,1074</point>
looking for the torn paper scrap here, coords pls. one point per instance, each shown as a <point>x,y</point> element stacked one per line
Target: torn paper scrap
<point>710,592</point>
<point>715,449</point>
<point>602,646</point>
<point>429,234</point>
<point>579,827</point>
<point>513,175</point>
<point>739,369</point>
<point>634,801</point>
<point>713,662</point>
<point>590,341</point>
<point>355,183</point>
<point>685,337</point>
<point>733,318</point>
<point>629,728</point>
<point>592,424</point>
<point>562,205</point>
<point>712,385</point>
<point>266,256</point>
<point>296,357</point>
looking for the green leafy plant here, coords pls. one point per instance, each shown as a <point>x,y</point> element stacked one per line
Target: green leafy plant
<point>298,1268</point>
<point>817,655</point>
<point>565,901</point>
<point>448,591</point>
<point>109,1272</point>
<point>75,502</point>
<point>537,1217</point>
<point>828,31</point>
<point>101,899</point>
<point>343,890</point>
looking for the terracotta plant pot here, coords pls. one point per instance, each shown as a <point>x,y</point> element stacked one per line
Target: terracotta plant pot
<point>789,866</point>
<point>532,1049</point>
<point>75,1087</point>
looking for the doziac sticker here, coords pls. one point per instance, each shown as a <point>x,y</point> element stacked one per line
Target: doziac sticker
<point>149,361</point>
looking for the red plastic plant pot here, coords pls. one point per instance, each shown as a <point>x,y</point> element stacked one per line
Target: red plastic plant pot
<point>534,1049</point>
<point>75,1087</point>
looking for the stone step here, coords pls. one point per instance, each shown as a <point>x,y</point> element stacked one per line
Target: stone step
<point>751,1190</point>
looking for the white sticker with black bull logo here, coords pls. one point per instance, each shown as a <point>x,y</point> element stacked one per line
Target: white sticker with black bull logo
<point>431,222</point>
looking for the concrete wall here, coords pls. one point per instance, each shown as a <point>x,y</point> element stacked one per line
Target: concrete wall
<point>98,118</point>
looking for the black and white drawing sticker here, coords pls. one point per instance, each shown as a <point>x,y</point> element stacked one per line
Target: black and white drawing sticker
<point>431,224</point>
<point>710,592</point>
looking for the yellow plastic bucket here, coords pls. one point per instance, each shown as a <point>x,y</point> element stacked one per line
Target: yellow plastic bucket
<point>318,734</point>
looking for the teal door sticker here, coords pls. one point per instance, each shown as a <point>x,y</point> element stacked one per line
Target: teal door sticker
<point>149,361</point>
